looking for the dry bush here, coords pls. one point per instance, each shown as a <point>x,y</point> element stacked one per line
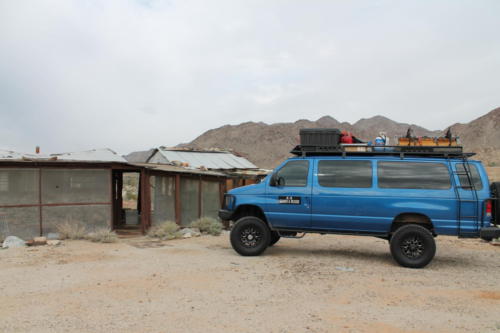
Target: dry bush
<point>165,230</point>
<point>103,236</point>
<point>208,225</point>
<point>71,230</point>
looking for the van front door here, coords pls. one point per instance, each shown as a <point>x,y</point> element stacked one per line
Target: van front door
<point>288,196</point>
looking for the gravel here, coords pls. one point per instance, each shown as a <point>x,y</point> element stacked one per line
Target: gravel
<point>316,284</point>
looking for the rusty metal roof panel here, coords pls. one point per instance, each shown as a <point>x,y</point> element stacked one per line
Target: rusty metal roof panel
<point>177,169</point>
<point>208,159</point>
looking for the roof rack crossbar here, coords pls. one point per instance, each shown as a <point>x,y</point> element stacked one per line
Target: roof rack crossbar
<point>401,151</point>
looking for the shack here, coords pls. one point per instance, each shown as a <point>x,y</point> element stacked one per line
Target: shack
<point>238,170</point>
<point>39,192</point>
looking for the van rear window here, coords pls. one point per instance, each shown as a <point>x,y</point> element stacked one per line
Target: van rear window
<point>355,174</point>
<point>413,175</point>
<point>474,175</point>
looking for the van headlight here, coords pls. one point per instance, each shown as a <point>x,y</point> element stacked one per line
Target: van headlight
<point>229,201</point>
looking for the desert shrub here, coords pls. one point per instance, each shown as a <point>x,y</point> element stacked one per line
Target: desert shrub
<point>165,230</point>
<point>208,225</point>
<point>102,236</point>
<point>71,230</point>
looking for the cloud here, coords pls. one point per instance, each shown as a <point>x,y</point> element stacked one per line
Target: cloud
<point>134,74</point>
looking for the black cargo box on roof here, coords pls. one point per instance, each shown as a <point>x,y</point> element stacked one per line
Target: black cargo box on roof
<point>320,137</point>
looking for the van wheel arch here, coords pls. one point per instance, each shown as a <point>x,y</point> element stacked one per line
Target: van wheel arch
<point>249,210</point>
<point>412,218</point>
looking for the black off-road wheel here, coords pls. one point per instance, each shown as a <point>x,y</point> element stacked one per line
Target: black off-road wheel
<point>250,236</point>
<point>413,246</point>
<point>275,237</point>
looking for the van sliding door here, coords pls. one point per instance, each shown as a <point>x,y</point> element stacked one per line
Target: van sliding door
<point>342,196</point>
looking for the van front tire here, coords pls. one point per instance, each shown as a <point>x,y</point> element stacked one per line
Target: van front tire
<point>250,236</point>
<point>275,237</point>
<point>412,246</point>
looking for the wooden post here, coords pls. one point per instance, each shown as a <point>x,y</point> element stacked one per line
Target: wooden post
<point>178,206</point>
<point>200,198</point>
<point>222,191</point>
<point>145,201</point>
<point>40,200</point>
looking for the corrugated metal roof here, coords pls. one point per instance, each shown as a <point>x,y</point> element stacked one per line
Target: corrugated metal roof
<point>209,159</point>
<point>94,155</point>
<point>10,155</point>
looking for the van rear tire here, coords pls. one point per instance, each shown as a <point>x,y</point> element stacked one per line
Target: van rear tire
<point>250,236</point>
<point>413,246</point>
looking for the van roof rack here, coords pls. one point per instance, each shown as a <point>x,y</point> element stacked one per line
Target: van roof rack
<point>363,150</point>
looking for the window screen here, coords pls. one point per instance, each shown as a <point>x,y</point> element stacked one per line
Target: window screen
<point>414,175</point>
<point>294,173</point>
<point>4,181</point>
<point>474,174</point>
<point>345,174</point>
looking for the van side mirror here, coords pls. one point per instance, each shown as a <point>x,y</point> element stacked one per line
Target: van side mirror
<point>276,180</point>
<point>272,181</point>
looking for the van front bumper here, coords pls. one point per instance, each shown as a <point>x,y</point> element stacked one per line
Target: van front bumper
<point>489,232</point>
<point>225,214</point>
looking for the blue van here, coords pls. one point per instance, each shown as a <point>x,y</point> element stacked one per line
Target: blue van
<point>407,198</point>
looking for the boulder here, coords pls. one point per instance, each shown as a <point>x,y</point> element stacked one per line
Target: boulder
<point>12,242</point>
<point>39,240</point>
<point>187,235</point>
<point>53,242</point>
<point>194,232</point>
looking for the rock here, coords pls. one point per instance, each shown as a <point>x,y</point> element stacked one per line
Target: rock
<point>53,242</point>
<point>53,235</point>
<point>344,269</point>
<point>12,242</point>
<point>39,240</point>
<point>195,232</point>
<point>187,235</point>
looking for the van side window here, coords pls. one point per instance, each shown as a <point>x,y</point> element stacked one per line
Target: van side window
<point>413,175</point>
<point>464,180</point>
<point>355,174</point>
<point>294,173</point>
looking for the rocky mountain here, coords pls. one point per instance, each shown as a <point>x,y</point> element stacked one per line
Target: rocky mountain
<point>482,136</point>
<point>267,145</point>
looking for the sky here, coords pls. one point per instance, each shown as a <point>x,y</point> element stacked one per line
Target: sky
<point>136,74</point>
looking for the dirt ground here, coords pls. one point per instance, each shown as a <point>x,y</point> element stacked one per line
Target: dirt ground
<point>316,284</point>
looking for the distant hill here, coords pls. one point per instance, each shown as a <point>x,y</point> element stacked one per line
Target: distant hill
<point>268,145</point>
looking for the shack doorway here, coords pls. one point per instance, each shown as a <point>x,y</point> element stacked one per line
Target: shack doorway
<point>126,202</point>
